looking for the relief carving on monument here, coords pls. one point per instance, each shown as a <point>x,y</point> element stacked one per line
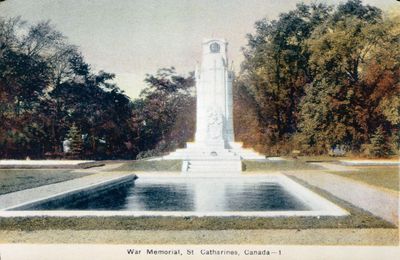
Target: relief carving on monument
<point>215,124</point>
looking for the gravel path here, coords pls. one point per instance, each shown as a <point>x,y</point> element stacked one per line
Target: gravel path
<point>336,167</point>
<point>370,162</point>
<point>271,237</point>
<point>382,203</point>
<point>42,162</point>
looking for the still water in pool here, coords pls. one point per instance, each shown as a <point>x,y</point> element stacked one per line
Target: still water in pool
<point>198,195</point>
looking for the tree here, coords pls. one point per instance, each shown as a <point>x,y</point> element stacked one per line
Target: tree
<point>46,86</point>
<point>323,76</point>
<point>379,144</point>
<point>164,113</point>
<point>276,68</point>
<point>76,145</point>
<point>41,40</point>
<point>101,109</point>
<point>315,117</point>
<point>24,80</point>
<point>247,127</point>
<point>341,105</point>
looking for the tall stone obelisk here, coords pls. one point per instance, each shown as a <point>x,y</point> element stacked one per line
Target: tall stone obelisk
<point>214,122</point>
<point>214,148</point>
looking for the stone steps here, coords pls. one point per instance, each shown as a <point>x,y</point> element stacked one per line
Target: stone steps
<point>209,159</point>
<point>197,152</point>
<point>228,154</point>
<point>212,166</point>
<point>202,155</point>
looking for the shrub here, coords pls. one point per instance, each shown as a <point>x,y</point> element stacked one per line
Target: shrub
<point>76,142</point>
<point>379,144</point>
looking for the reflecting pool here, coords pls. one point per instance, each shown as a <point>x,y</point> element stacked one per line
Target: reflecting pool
<point>186,194</point>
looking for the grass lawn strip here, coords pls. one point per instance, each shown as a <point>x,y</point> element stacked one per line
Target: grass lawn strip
<point>248,166</point>
<point>151,166</point>
<point>272,166</point>
<point>386,177</point>
<point>12,180</point>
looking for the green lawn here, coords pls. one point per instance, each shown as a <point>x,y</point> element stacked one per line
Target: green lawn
<point>319,158</point>
<point>248,165</point>
<point>270,166</point>
<point>142,165</point>
<point>382,176</point>
<point>20,179</point>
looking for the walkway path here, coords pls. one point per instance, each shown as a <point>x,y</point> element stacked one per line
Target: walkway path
<point>371,162</point>
<point>42,162</point>
<point>369,237</point>
<point>336,167</point>
<point>382,203</point>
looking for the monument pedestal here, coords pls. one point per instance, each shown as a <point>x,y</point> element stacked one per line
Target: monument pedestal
<point>198,158</point>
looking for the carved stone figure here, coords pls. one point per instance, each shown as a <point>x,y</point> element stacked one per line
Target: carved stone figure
<point>215,125</point>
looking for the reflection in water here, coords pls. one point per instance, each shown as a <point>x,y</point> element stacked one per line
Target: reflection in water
<point>199,195</point>
<point>160,197</point>
<point>260,196</point>
<point>112,199</point>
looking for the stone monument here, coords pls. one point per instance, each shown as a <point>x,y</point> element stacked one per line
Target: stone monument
<point>214,148</point>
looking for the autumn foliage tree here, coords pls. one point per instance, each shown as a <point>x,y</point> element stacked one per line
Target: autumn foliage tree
<point>352,79</point>
<point>322,77</point>
<point>276,69</point>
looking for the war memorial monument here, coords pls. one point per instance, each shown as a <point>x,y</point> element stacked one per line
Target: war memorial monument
<point>214,148</point>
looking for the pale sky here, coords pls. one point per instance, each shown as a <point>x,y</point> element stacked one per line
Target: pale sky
<point>133,37</point>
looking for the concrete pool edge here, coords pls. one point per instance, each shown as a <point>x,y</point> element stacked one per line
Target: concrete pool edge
<point>319,205</point>
<point>114,213</point>
<point>84,190</point>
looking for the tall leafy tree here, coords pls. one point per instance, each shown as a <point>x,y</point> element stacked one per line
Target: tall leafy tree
<point>45,86</point>
<point>341,103</point>
<point>164,113</point>
<point>323,76</point>
<point>276,67</point>
<point>247,127</point>
<point>24,79</point>
<point>98,107</point>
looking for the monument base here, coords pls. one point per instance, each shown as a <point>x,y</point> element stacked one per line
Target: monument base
<point>202,158</point>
